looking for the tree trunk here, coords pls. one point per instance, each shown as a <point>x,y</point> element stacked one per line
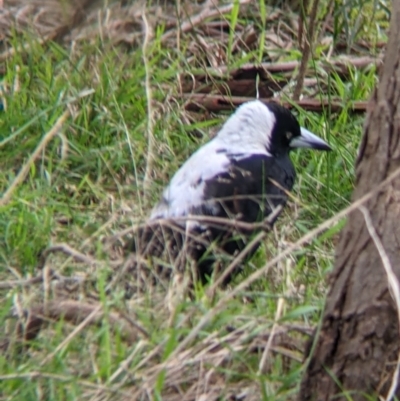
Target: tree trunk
<point>358,345</point>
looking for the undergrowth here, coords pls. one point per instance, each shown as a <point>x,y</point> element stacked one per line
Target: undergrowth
<point>87,185</point>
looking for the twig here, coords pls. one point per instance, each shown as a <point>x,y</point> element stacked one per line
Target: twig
<point>68,250</point>
<point>393,286</point>
<point>302,14</point>
<point>327,21</point>
<point>245,251</point>
<point>26,167</point>
<point>216,103</point>
<point>16,87</point>
<point>134,324</point>
<point>303,329</point>
<point>76,313</point>
<point>236,261</point>
<point>10,284</point>
<point>278,314</point>
<point>306,48</point>
<point>88,320</point>
<point>150,116</point>
<point>124,365</point>
<point>130,370</point>
<point>213,220</point>
<point>306,51</point>
<point>296,356</point>
<point>90,238</point>
<point>225,221</point>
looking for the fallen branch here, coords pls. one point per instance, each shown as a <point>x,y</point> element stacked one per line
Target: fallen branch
<point>217,103</point>
<point>234,87</point>
<point>76,313</point>
<point>68,250</point>
<point>273,77</point>
<point>341,65</point>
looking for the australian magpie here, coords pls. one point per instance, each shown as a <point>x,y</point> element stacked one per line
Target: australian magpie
<point>242,174</point>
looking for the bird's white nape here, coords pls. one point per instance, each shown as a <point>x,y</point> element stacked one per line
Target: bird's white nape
<point>249,128</point>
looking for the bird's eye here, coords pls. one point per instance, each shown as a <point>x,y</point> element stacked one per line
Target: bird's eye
<point>289,135</point>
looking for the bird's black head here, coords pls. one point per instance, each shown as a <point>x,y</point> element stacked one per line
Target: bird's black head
<point>287,134</point>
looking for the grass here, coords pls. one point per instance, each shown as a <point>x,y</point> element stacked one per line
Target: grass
<point>87,185</point>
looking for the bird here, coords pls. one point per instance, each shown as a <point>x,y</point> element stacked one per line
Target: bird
<point>241,175</point>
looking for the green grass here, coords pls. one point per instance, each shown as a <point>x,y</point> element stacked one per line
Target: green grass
<point>87,184</point>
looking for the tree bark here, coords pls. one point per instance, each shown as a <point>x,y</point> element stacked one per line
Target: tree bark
<point>358,345</point>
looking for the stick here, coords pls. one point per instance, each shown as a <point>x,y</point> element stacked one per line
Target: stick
<point>342,65</point>
<point>150,113</point>
<point>306,51</point>
<point>26,167</point>
<point>80,313</point>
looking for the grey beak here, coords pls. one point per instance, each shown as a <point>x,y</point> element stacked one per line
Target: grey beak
<point>309,140</point>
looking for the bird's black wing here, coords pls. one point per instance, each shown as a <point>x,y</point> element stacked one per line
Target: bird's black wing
<point>248,191</point>
<point>252,187</point>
